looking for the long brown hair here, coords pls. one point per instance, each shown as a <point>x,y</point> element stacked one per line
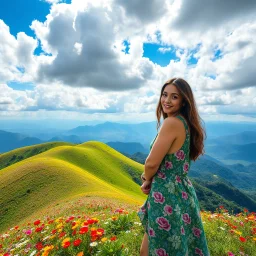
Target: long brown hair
<point>190,112</point>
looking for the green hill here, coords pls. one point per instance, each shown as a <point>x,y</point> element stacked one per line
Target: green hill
<point>92,169</point>
<point>20,154</point>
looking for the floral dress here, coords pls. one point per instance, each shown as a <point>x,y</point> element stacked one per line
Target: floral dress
<point>171,214</point>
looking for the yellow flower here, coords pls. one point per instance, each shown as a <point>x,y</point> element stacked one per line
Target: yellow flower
<point>74,227</point>
<point>59,225</point>
<point>254,239</point>
<point>104,239</point>
<point>238,232</point>
<point>65,240</point>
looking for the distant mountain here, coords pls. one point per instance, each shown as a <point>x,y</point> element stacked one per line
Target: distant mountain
<point>244,152</point>
<point>70,138</point>
<point>142,133</point>
<point>128,147</point>
<point>9,141</point>
<point>242,138</point>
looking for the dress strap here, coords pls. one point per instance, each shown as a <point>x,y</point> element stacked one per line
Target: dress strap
<point>184,122</point>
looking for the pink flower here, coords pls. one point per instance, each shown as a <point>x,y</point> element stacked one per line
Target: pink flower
<point>230,254</point>
<point>186,167</point>
<point>142,209</point>
<point>168,165</point>
<point>178,179</point>
<point>161,175</point>
<point>182,230</point>
<point>151,232</point>
<point>197,232</point>
<point>161,252</point>
<point>189,183</point>
<point>198,251</point>
<point>163,223</point>
<point>186,218</point>
<point>168,209</point>
<point>180,155</point>
<point>184,195</point>
<point>148,205</point>
<point>159,198</point>
<point>28,232</point>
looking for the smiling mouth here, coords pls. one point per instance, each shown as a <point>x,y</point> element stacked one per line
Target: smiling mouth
<point>166,106</point>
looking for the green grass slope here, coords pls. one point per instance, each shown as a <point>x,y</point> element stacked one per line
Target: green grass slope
<point>92,169</point>
<point>20,154</point>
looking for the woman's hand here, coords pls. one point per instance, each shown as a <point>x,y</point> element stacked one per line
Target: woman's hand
<point>146,186</point>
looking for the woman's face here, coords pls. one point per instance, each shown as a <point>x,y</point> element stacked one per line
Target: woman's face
<point>171,100</point>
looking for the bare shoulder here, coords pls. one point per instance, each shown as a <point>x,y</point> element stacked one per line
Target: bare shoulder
<point>171,124</point>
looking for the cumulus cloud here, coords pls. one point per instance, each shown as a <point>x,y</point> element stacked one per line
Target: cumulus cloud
<point>92,58</point>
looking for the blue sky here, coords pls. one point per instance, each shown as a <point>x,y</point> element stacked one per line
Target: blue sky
<point>108,59</point>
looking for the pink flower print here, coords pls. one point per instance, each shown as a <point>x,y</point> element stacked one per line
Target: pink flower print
<point>161,252</point>
<point>180,155</point>
<point>168,209</point>
<point>184,195</point>
<point>189,183</point>
<point>186,218</point>
<point>185,167</point>
<point>163,223</point>
<point>178,179</point>
<point>168,165</point>
<point>199,252</point>
<point>151,232</point>
<point>143,209</point>
<point>182,230</point>
<point>161,175</point>
<point>148,205</point>
<point>159,198</point>
<point>196,231</point>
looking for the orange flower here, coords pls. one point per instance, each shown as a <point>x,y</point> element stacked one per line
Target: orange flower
<point>245,210</point>
<point>113,238</point>
<point>80,254</point>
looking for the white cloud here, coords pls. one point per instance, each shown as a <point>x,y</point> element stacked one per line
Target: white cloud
<point>84,67</point>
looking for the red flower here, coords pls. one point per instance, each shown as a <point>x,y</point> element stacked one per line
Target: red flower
<point>38,229</point>
<point>77,242</point>
<point>66,244</point>
<point>54,231</point>
<point>37,222</point>
<point>74,232</point>
<point>242,239</point>
<point>245,210</point>
<point>83,230</point>
<point>62,234</point>
<point>39,246</point>
<point>113,238</point>
<point>221,206</point>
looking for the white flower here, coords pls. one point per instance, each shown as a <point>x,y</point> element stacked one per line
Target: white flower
<point>93,244</point>
<point>170,186</point>
<point>32,253</point>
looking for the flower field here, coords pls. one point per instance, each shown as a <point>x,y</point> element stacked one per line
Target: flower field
<point>100,227</point>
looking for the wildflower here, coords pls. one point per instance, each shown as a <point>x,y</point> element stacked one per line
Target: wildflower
<point>230,254</point>
<point>77,242</point>
<point>113,238</point>
<point>39,246</point>
<point>28,232</point>
<point>83,230</point>
<point>93,244</point>
<point>37,222</point>
<point>104,239</point>
<point>242,239</point>
<point>80,254</point>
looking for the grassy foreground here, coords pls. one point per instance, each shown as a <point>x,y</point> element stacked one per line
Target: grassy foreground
<point>99,226</point>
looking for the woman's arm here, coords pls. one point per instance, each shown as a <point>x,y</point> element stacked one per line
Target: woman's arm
<point>167,135</point>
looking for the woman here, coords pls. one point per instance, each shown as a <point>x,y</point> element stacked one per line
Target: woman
<point>171,214</point>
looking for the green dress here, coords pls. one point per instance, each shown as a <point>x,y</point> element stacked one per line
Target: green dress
<point>171,214</point>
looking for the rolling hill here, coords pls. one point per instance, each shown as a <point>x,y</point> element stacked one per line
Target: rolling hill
<point>92,169</point>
